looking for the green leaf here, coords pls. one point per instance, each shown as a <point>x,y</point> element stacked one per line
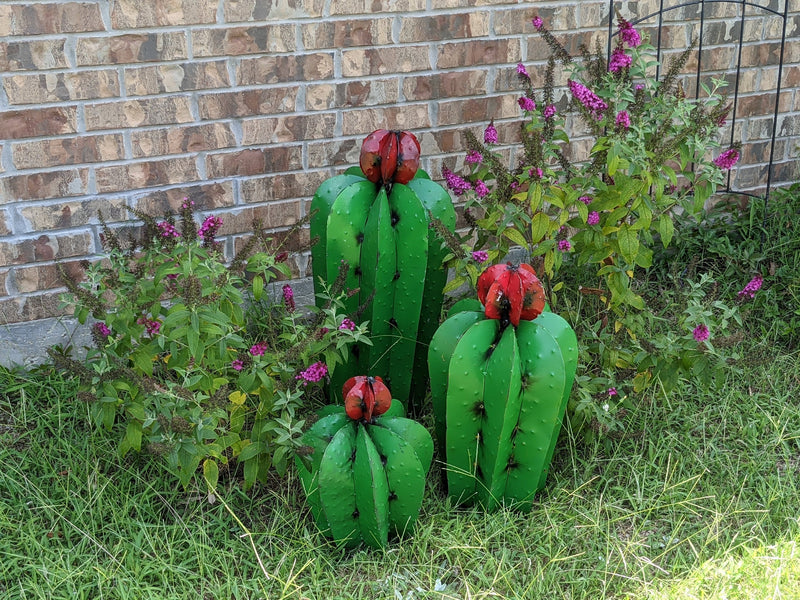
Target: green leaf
<point>258,287</point>
<point>535,197</point>
<point>540,226</point>
<point>666,229</point>
<point>628,243</point>
<point>252,450</point>
<point>193,340</point>
<point>211,473</point>
<point>133,435</point>
<point>515,236</point>
<point>454,284</point>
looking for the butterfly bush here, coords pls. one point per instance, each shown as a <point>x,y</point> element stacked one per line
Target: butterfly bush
<point>194,359</point>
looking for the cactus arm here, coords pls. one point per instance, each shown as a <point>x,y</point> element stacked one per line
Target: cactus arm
<point>321,205</point>
<point>464,409</point>
<point>437,204</point>
<point>396,409</point>
<point>346,223</point>
<point>317,438</point>
<point>568,342</point>
<point>378,267</point>
<point>355,170</point>
<point>411,239</point>
<point>415,434</point>
<point>465,304</point>
<point>542,408</point>
<point>337,490</point>
<point>501,412</point>
<point>371,491</point>
<point>405,476</point>
<point>440,351</point>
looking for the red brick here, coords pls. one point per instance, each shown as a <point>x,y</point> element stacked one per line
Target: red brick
<point>4,228</point>
<point>45,248</point>
<point>30,308</point>
<point>136,176</point>
<point>284,186</point>
<point>368,93</point>
<point>333,153</point>
<point>247,103</point>
<point>407,116</point>
<point>280,69</point>
<point>445,85</point>
<point>366,7</point>
<point>59,87</point>
<point>378,61</point>
<point>32,55</point>
<point>270,130</point>
<point>233,41</point>
<point>38,122</point>
<point>145,81</point>
<point>133,14</point>
<point>518,21</point>
<point>321,96</point>
<point>254,161</point>
<point>259,10</point>
<point>64,215</point>
<point>205,197</point>
<point>67,151</point>
<point>46,18</point>
<point>181,140</point>
<point>137,113</point>
<point>478,52</point>
<point>478,109</point>
<point>347,34</point>
<point>131,48</point>
<point>38,186</point>
<point>43,277</point>
<point>274,215</point>
<point>433,28</point>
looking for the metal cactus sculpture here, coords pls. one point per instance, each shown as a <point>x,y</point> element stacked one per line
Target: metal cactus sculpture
<point>376,219</point>
<point>364,468</point>
<point>501,375</point>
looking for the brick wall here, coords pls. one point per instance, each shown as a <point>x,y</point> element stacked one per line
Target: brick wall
<point>245,106</point>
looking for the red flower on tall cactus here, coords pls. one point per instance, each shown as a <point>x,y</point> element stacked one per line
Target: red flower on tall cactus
<point>365,397</point>
<point>511,293</point>
<point>390,156</point>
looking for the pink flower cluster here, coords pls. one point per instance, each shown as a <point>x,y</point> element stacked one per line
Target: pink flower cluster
<point>522,71</point>
<point>490,135</point>
<point>348,324</point>
<point>593,218</point>
<point>209,227</point>
<point>619,60</point>
<point>564,245</point>
<point>537,22</point>
<point>481,189</point>
<point>315,372</point>
<point>102,329</point>
<point>526,104</point>
<point>456,183</point>
<point>167,230</point>
<point>151,326</point>
<point>237,365</point>
<point>480,256</point>
<point>623,120</point>
<point>727,159</point>
<point>629,35</point>
<point>587,200</point>
<point>549,111</point>
<point>258,349</point>
<point>288,297</point>
<point>701,333</point>
<point>473,157</point>
<point>588,99</point>
<point>749,291</point>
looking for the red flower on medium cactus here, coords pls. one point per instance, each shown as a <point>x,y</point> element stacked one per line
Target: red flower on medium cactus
<point>365,397</point>
<point>390,156</point>
<point>511,293</point>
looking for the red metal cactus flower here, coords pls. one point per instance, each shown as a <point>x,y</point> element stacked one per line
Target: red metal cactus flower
<point>390,156</point>
<point>365,397</point>
<point>511,292</point>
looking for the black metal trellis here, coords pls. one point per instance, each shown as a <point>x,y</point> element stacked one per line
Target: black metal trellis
<point>745,6</point>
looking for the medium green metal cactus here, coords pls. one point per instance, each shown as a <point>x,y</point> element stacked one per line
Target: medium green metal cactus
<point>364,474</point>
<point>376,219</point>
<point>500,380</point>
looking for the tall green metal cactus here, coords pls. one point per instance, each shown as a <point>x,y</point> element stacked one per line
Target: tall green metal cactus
<point>376,218</point>
<point>500,381</point>
<point>364,474</point>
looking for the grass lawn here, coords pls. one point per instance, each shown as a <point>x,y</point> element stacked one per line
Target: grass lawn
<point>698,499</point>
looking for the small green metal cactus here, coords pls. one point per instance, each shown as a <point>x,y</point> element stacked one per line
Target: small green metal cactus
<point>364,468</point>
<point>501,375</point>
<point>376,218</point>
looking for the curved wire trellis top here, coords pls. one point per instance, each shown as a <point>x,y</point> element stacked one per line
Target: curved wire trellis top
<point>746,10</point>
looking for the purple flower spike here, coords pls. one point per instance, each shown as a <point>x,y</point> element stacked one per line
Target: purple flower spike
<point>727,159</point>
<point>490,135</point>
<point>588,99</point>
<point>619,60</point>
<point>593,218</point>
<point>480,256</point>
<point>456,183</point>
<point>522,71</point>
<point>315,372</point>
<point>701,333</point>
<point>538,23</point>
<point>623,120</point>
<point>526,104</point>
<point>481,190</point>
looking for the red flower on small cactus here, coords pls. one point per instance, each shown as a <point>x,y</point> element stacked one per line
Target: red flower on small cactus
<point>390,156</point>
<point>365,397</point>
<point>511,293</point>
